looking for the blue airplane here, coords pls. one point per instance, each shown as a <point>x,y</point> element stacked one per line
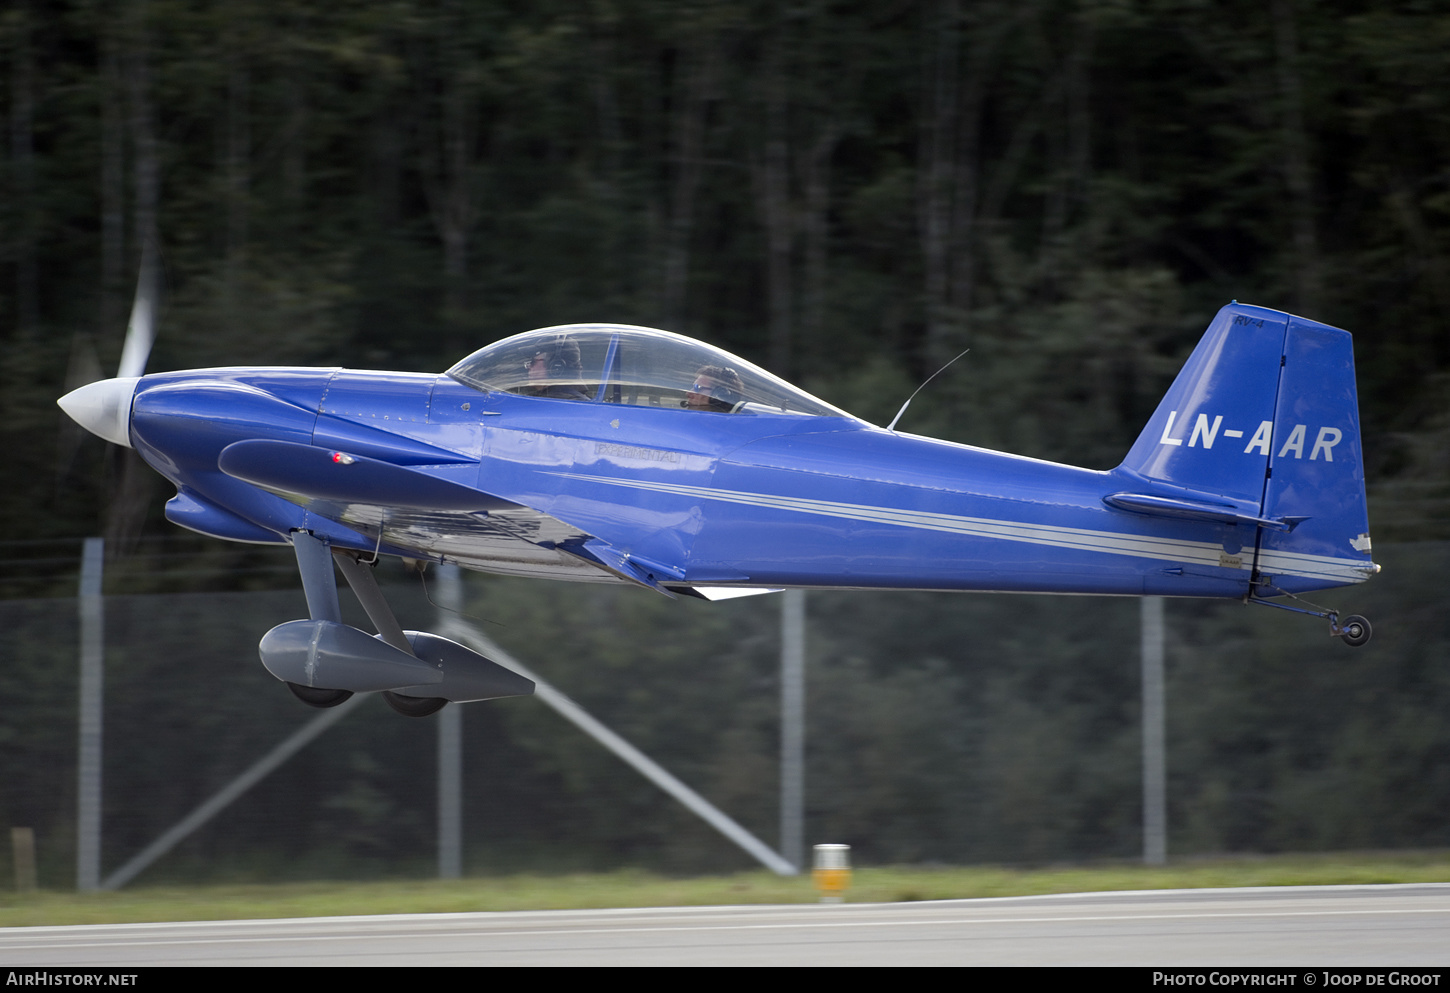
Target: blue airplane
<point>617,454</point>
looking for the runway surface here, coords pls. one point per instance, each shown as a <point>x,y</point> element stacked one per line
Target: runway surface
<point>1397,926</point>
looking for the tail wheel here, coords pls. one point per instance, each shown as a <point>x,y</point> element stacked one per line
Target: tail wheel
<point>316,696</point>
<point>1355,631</point>
<point>414,706</point>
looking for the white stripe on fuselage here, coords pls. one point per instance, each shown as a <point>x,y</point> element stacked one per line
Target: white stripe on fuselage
<point>1052,535</point>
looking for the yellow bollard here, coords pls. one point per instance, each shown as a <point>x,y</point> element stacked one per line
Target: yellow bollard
<point>832,872</point>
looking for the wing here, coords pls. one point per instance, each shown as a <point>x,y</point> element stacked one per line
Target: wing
<point>408,510</point>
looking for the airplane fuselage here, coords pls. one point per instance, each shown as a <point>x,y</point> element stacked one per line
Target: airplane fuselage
<point>696,499</point>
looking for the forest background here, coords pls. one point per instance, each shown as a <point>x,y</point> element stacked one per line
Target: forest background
<point>847,194</point>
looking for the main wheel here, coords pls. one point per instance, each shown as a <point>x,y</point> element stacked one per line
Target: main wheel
<point>1356,631</point>
<point>316,696</point>
<point>414,706</point>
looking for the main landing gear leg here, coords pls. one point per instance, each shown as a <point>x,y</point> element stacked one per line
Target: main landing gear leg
<point>360,577</point>
<point>319,582</point>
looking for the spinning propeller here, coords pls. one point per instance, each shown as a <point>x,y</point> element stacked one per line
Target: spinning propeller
<point>103,406</point>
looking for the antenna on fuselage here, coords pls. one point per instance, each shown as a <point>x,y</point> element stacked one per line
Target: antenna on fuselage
<point>892,425</point>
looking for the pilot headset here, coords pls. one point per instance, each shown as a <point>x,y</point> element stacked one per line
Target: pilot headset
<point>563,355</point>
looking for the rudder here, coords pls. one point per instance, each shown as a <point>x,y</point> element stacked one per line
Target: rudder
<point>1316,471</point>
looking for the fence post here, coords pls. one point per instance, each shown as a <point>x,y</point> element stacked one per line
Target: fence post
<point>88,787</point>
<point>450,747</point>
<point>792,726</point>
<point>1155,815</point>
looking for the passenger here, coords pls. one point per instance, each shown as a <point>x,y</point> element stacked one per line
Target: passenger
<point>556,368</point>
<point>716,387</point>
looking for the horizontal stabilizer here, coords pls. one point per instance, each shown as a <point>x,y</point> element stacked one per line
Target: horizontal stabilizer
<point>307,472</point>
<point>1194,510</point>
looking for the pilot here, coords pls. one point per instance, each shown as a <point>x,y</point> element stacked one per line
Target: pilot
<point>716,387</point>
<point>556,368</point>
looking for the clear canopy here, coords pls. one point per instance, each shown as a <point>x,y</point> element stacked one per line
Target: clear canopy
<point>617,363</point>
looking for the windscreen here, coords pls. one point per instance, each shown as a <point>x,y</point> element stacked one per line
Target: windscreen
<point>636,366</point>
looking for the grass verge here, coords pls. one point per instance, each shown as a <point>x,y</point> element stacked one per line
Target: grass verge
<point>641,889</point>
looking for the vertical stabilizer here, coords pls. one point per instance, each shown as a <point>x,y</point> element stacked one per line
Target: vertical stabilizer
<point>1211,435</point>
<point>1264,420</point>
